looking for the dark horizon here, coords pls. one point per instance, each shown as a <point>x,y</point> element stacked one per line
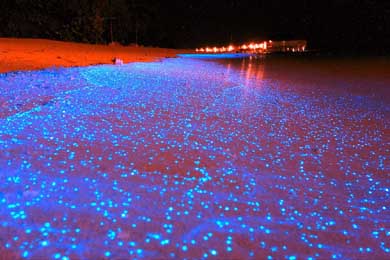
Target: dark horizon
<point>343,25</point>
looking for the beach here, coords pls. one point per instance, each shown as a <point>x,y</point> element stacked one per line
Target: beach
<point>33,54</point>
<point>252,157</point>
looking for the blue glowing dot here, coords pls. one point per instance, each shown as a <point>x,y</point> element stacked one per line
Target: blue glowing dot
<point>164,242</point>
<point>25,254</point>
<point>107,253</point>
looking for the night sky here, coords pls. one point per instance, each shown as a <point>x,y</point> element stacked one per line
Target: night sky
<point>334,24</point>
<point>346,25</point>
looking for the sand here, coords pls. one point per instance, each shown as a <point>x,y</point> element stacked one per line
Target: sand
<point>33,54</point>
<point>185,158</point>
<point>188,159</point>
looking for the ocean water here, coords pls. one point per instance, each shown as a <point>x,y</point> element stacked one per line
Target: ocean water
<point>267,157</point>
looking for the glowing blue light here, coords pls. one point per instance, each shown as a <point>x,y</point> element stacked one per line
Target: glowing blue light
<point>213,156</point>
<point>164,242</point>
<point>25,254</point>
<point>216,56</point>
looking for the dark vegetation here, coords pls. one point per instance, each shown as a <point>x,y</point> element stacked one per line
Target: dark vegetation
<point>82,20</point>
<point>330,24</point>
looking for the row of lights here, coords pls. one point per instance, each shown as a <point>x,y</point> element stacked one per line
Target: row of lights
<point>266,46</point>
<point>297,49</point>
<point>245,47</point>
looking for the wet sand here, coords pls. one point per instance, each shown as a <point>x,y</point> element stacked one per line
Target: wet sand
<point>188,158</point>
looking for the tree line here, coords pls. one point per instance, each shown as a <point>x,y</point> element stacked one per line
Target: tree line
<point>332,24</point>
<point>91,21</point>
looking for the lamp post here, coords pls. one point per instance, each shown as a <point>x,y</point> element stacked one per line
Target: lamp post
<point>110,18</point>
<point>111,30</point>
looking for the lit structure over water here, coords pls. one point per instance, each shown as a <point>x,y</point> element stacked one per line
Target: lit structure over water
<point>259,47</point>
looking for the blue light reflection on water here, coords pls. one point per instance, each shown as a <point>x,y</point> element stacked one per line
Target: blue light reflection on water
<point>217,56</point>
<point>187,158</point>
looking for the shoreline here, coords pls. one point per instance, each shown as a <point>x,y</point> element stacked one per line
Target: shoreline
<point>35,54</point>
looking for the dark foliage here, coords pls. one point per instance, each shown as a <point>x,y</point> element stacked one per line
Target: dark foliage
<point>330,24</point>
<point>79,20</point>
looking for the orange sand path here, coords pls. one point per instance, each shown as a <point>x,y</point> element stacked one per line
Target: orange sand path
<point>32,54</point>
